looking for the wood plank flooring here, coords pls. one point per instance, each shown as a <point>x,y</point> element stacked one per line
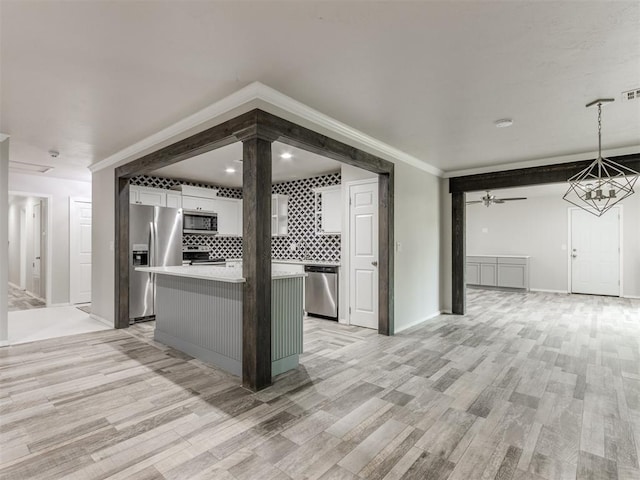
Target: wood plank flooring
<point>20,300</point>
<point>526,387</point>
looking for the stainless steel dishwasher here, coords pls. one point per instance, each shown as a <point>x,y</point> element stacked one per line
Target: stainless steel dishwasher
<point>321,291</point>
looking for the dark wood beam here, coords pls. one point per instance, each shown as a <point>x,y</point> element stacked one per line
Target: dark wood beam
<point>256,263</point>
<point>210,139</point>
<point>314,142</point>
<point>385,254</point>
<point>557,173</point>
<point>458,253</point>
<point>121,251</point>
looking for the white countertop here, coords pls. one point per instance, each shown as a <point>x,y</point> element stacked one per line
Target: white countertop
<point>501,256</point>
<point>218,273</point>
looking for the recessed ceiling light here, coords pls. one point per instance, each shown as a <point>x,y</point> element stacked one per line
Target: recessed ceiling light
<point>230,170</point>
<point>286,156</point>
<point>503,123</point>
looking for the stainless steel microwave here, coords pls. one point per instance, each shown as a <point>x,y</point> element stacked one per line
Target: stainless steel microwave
<point>194,221</point>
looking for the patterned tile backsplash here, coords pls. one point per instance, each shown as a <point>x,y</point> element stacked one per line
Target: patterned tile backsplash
<point>301,221</point>
<point>301,218</point>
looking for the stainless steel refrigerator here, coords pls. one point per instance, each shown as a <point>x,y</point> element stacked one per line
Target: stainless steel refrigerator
<point>155,240</point>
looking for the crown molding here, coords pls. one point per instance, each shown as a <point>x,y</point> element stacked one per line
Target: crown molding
<point>575,157</point>
<point>257,91</point>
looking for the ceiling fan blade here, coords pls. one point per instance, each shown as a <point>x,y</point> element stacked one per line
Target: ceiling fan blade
<point>498,200</point>
<point>474,201</point>
<point>513,198</point>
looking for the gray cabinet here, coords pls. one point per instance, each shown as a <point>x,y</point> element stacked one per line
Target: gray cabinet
<point>498,271</point>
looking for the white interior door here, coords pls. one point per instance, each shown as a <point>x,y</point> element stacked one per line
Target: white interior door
<point>37,244</point>
<point>363,254</point>
<point>80,252</point>
<point>595,252</point>
<point>23,248</point>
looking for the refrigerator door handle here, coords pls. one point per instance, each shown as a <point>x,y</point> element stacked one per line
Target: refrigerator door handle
<point>154,248</point>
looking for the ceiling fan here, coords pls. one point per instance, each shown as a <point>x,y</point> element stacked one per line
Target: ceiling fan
<point>489,199</point>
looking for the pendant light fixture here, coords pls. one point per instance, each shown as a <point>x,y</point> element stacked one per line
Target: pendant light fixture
<point>602,184</point>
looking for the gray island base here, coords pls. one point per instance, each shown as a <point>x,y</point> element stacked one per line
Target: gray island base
<point>199,312</point>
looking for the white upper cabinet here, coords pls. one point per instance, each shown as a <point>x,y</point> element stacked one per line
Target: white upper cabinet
<point>328,210</point>
<point>174,200</point>
<point>156,197</point>
<point>198,204</point>
<point>279,215</point>
<point>229,212</point>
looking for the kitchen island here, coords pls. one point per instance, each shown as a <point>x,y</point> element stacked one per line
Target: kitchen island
<point>199,312</point>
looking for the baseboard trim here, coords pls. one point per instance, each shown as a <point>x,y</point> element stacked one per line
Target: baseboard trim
<point>632,297</point>
<point>546,290</point>
<point>101,320</point>
<point>55,305</point>
<point>418,322</point>
<point>16,286</point>
<point>4,343</point>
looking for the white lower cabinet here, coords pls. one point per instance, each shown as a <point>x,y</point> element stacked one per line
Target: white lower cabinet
<point>498,271</point>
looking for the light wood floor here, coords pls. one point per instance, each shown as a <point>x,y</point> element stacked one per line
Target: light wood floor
<point>20,300</point>
<point>526,386</point>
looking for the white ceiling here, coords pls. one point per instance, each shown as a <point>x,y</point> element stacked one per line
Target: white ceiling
<point>211,167</point>
<point>429,78</point>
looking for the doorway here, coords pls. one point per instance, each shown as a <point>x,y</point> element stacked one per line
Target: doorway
<point>595,253</point>
<point>29,264</point>
<point>362,261</point>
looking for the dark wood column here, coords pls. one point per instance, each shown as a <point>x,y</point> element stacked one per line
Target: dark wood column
<point>385,254</point>
<point>256,262</point>
<point>121,250</point>
<point>458,253</point>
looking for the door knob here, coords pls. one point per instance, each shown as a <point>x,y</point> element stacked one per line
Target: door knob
<point>374,263</point>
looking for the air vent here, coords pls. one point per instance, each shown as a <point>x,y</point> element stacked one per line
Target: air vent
<point>29,167</point>
<point>631,94</point>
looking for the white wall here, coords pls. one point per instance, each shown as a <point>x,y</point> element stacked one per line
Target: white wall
<point>445,246</point>
<point>60,191</point>
<point>417,228</point>
<point>536,227</point>
<point>4,238</point>
<point>102,237</point>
